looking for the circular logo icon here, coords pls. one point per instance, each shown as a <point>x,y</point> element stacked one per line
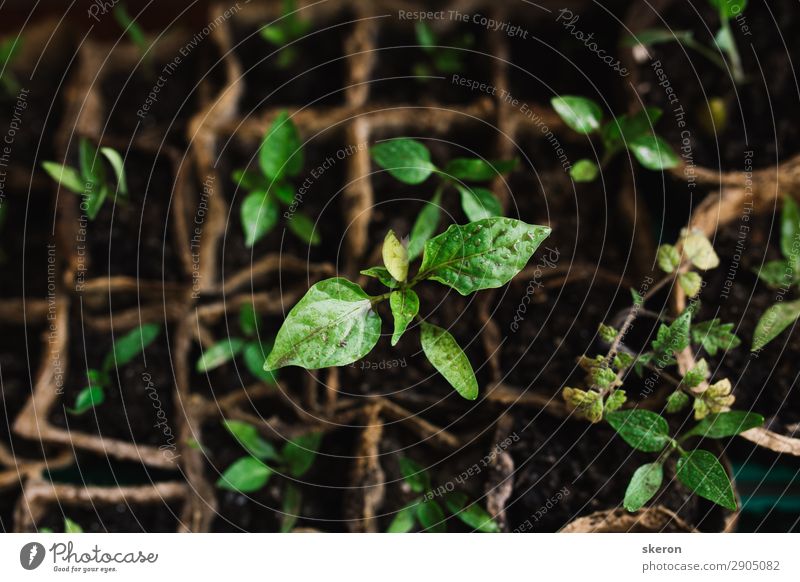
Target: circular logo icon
<point>31,555</point>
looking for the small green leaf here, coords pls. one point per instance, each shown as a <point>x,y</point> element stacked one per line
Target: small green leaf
<point>481,255</point>
<point>130,27</point>
<point>71,527</point>
<point>382,275</point>
<point>249,180</point>
<point>254,355</point>
<point>668,258</point>
<point>584,171</point>
<point>424,226</point>
<point>405,306</point>
<point>405,520</point>
<point>87,399</point>
<point>408,160</point>
<point>300,452</point>
<point>676,402</point>
<point>247,436</point>
<point>479,203</point>
<point>118,165</point>
<point>714,335</point>
<point>292,502</point>
<point>304,228</point>
<point>248,320</point>
<point>395,257</point>
<point>131,345</point>
<point>775,319</point>
<point>643,430</point>
<point>691,283</point>
<point>414,475</point>
<point>68,177</point>
<point>478,170</point>
<point>615,401</point>
<point>246,475</point>
<point>725,424</point>
<point>259,215</point>
<point>580,114</point>
<point>701,472</point>
<point>431,517</point>
<point>332,325</point>
<point>624,129</point>
<point>777,273</point>
<point>790,231</point>
<point>699,251</point>
<point>672,338</point>
<point>653,153</point>
<point>450,361</point>
<point>220,353</point>
<point>644,484</point>
<point>281,152</point>
<point>473,515</point>
<point>729,8</point>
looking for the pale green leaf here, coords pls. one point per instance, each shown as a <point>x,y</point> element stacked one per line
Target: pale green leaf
<point>449,359</point>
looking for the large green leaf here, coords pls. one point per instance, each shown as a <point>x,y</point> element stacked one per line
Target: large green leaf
<point>481,255</point>
<point>251,440</point>
<point>281,151</point>
<point>259,215</point>
<point>644,484</point>
<point>131,345</point>
<point>725,424</point>
<point>332,325</point>
<point>643,430</point>
<point>775,319</point>
<point>406,159</point>
<point>449,359</point>
<point>701,472</point>
<point>246,475</point>
<point>579,113</point>
<point>405,306</point>
<point>300,452</point>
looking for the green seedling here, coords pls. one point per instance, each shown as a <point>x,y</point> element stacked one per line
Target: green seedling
<point>409,161</point>
<point>604,396</point>
<point>69,527</point>
<point>280,158</point>
<point>9,51</point>
<point>427,511</point>
<point>124,351</point>
<point>90,180</point>
<point>783,275</point>
<point>251,347</point>
<point>253,471</point>
<point>336,322</point>
<point>284,31</point>
<point>135,34</point>
<point>724,43</point>
<point>439,59</point>
<point>632,132</point>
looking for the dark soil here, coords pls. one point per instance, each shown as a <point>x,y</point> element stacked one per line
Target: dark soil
<point>130,411</point>
<point>156,517</point>
<point>24,237</point>
<point>764,382</point>
<point>8,498</point>
<point>753,107</point>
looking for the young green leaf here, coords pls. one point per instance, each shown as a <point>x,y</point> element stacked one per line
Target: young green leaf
<point>248,320</point>
<point>406,159</point>
<point>584,171</point>
<point>131,345</point>
<point>691,283</point>
<point>395,257</point>
<point>72,527</point>
<point>480,255</point>
<point>246,475</point>
<point>672,338</point>
<point>701,472</point>
<point>479,203</point>
<point>790,231</point>
<point>247,436</point>
<point>714,335</point>
<point>259,215</point>
<point>478,170</point>
<point>729,8</point>
<point>118,165</point>
<point>254,355</point>
<point>292,502</point>
<point>405,520</point>
<point>414,475</point>
<point>473,515</point>
<point>449,359</point>
<point>67,177</point>
<point>304,228</point>
<point>249,180</point>
<point>643,430</point>
<point>219,354</point>
<point>332,325</point>
<point>699,251</point>
<point>131,27</point>
<point>87,399</point>
<point>644,484</point>
<point>580,114</point>
<point>668,258</point>
<point>281,152</point>
<point>653,152</point>
<point>405,306</point>
<point>725,424</point>
<point>381,274</point>
<point>775,319</point>
<point>622,130</point>
<point>300,452</point>
<point>777,273</point>
<point>431,516</point>
<point>676,402</point>
<point>424,226</point>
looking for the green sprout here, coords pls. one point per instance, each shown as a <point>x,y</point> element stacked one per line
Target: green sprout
<point>336,322</point>
<point>70,527</point>
<point>280,157</point>
<point>124,351</point>
<point>90,180</point>
<point>428,512</point>
<point>723,41</point>
<point>648,431</point>
<point>9,51</point>
<point>632,132</point>
<point>443,60</point>
<point>284,31</point>
<point>782,274</point>
<point>253,471</point>
<point>252,349</point>
<point>409,161</point>
<point>134,32</point>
